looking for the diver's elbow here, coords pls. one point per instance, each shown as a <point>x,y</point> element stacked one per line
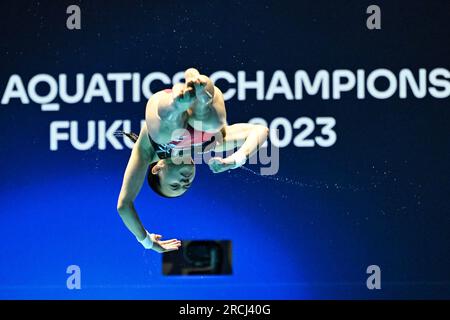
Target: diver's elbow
<point>123,207</point>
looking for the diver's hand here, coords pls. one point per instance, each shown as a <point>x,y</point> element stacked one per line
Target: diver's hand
<point>153,241</point>
<point>183,95</point>
<point>199,84</point>
<point>164,246</point>
<point>218,164</point>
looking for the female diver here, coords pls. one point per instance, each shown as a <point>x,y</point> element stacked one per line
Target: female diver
<point>189,117</point>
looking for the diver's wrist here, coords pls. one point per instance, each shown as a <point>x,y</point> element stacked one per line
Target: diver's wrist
<point>141,236</point>
<point>240,158</point>
<point>147,242</point>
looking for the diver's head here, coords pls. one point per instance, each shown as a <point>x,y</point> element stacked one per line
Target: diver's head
<point>170,178</point>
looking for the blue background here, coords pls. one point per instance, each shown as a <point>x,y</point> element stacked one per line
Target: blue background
<point>289,242</point>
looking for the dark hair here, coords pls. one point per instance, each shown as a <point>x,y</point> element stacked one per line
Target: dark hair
<point>154,181</point>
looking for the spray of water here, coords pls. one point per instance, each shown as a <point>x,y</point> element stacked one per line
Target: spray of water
<point>296,182</point>
<point>402,195</point>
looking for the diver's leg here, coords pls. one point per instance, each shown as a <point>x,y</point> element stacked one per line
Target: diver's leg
<point>191,74</point>
<point>209,106</point>
<point>173,105</point>
<point>210,117</point>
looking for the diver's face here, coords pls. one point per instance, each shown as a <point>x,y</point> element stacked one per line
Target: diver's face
<point>176,179</point>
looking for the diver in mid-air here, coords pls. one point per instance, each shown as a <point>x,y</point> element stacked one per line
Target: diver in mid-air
<point>189,118</point>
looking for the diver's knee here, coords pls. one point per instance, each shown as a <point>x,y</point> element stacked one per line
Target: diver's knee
<point>216,124</point>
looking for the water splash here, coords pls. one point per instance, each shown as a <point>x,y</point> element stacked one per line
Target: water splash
<point>296,182</point>
<point>397,194</point>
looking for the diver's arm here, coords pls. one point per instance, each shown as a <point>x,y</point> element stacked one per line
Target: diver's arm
<point>249,137</point>
<point>132,183</point>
